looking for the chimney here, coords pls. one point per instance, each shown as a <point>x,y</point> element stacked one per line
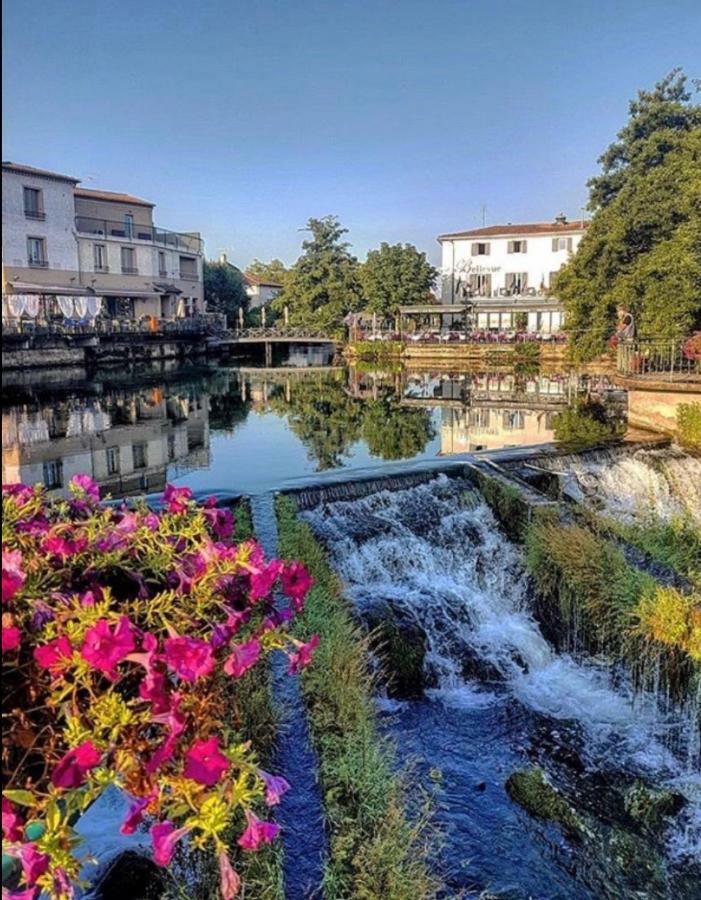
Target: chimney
<point>561,219</point>
<point>223,260</point>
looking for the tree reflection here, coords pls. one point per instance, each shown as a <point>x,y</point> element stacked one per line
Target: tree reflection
<point>392,432</point>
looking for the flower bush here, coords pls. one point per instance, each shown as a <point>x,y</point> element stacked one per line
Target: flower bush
<point>121,628</point>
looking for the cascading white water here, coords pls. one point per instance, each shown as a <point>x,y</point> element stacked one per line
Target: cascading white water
<point>435,556</point>
<point>636,485</point>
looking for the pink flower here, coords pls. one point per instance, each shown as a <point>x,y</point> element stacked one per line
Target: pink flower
<point>104,647</point>
<point>11,822</point>
<point>71,770</point>
<point>243,657</point>
<point>85,485</point>
<point>275,787</point>
<point>262,580</point>
<point>10,638</point>
<point>176,499</point>
<point>56,545</point>
<point>303,655</point>
<point>257,832</point>
<point>189,658</point>
<point>221,521</point>
<point>34,863</point>
<point>296,582</point>
<point>164,837</point>
<point>135,816</point>
<point>151,521</point>
<point>205,763</point>
<point>62,884</point>
<point>13,575</point>
<point>229,881</point>
<point>54,656</point>
<point>176,723</point>
<point>185,576</point>
<point>26,894</point>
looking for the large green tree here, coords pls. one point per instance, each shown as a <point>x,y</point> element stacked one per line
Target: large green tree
<point>396,275</point>
<point>274,271</point>
<point>642,250</point>
<point>224,290</point>
<point>323,285</point>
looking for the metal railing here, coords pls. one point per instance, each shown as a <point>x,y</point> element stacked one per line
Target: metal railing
<point>106,228</point>
<point>670,359</point>
<point>282,331</point>
<point>203,324</point>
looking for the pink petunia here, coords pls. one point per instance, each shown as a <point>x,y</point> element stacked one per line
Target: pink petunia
<point>64,547</point>
<point>262,580</point>
<point>275,787</point>
<point>85,485</point>
<point>303,655</point>
<point>257,832</point>
<point>189,658</point>
<point>12,829</point>
<point>205,763</point>
<point>13,575</point>
<point>229,880</point>
<point>220,520</point>
<point>54,656</point>
<point>10,638</point>
<point>296,582</point>
<point>176,499</point>
<point>105,647</point>
<point>164,837</point>
<point>243,657</point>
<point>135,816</point>
<point>34,863</point>
<point>176,724</point>
<point>151,521</point>
<point>71,770</point>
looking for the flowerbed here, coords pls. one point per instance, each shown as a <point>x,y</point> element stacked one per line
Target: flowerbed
<point>119,628</point>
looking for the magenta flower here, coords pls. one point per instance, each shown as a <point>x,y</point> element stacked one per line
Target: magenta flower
<point>56,545</point>
<point>242,658</point>
<point>176,499</point>
<point>262,580</point>
<point>13,575</point>
<point>220,520</point>
<point>296,582</point>
<point>85,485</point>
<point>303,656</point>
<point>275,787</point>
<point>10,638</point>
<point>151,521</point>
<point>135,816</point>
<point>34,863</point>
<point>164,837</point>
<point>185,576</point>
<point>189,658</point>
<point>176,723</point>
<point>229,881</point>
<point>257,832</point>
<point>105,647</point>
<point>54,656</point>
<point>11,822</point>
<point>30,893</point>
<point>205,763</point>
<point>71,770</point>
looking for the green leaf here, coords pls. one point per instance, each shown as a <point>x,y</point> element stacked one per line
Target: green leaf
<point>21,798</point>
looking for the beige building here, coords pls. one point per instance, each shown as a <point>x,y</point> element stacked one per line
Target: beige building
<point>260,292</point>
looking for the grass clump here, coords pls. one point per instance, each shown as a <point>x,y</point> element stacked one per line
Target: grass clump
<point>507,504</point>
<point>689,426</point>
<point>531,790</point>
<point>671,618</point>
<point>676,543</point>
<point>375,850</point>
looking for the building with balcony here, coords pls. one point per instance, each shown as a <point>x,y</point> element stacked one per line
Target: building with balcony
<point>506,272</point>
<point>73,253</point>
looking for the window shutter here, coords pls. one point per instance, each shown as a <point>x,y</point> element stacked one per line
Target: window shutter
<point>555,245</point>
<point>524,246</point>
<point>569,244</point>
<point>510,247</point>
<point>474,250</point>
<point>487,248</point>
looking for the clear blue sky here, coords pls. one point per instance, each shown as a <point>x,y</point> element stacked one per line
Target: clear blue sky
<point>242,118</point>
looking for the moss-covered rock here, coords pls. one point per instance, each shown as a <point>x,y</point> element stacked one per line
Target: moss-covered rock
<point>650,806</point>
<point>531,790</point>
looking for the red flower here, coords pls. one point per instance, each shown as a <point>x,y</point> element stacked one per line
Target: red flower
<point>303,656</point>
<point>104,648</point>
<point>176,499</point>
<point>296,582</point>
<point>205,763</point>
<point>189,658</point>
<point>229,881</point>
<point>13,575</point>
<point>243,657</point>
<point>164,837</point>
<point>70,771</point>
<point>54,656</point>
<point>257,833</point>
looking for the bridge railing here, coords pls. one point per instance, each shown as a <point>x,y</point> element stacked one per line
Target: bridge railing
<point>273,332</point>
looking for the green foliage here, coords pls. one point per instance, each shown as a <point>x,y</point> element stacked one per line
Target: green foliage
<point>273,271</point>
<point>374,850</point>
<point>689,426</point>
<point>585,424</point>
<point>396,275</point>
<point>323,285</point>
<point>392,432</point>
<point>507,504</point>
<point>676,543</point>
<point>642,250</point>
<point>377,349</point>
<point>224,290</point>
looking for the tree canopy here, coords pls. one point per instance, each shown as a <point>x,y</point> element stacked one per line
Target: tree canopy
<point>642,250</point>
<point>274,271</point>
<point>224,289</point>
<point>396,275</point>
<point>323,286</point>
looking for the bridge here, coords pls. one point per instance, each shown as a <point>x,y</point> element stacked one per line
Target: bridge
<point>269,336</point>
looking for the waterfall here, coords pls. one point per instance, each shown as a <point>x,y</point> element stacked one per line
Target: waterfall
<point>434,555</point>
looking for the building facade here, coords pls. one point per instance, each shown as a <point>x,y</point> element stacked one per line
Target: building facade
<point>260,292</point>
<point>62,241</point>
<point>504,270</point>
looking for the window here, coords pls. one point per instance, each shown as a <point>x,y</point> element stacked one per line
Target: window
<point>188,268</point>
<point>129,261</point>
<point>100,258</point>
<point>33,203</point>
<point>517,247</point>
<point>516,282</point>
<point>139,454</point>
<point>162,271</point>
<point>171,447</point>
<point>480,249</point>
<point>113,460</point>
<point>53,474</point>
<point>562,243</point>
<point>481,285</point>
<point>36,252</point>
<point>129,225</point>
<point>513,420</point>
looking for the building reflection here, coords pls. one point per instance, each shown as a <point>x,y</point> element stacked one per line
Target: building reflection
<point>129,441</point>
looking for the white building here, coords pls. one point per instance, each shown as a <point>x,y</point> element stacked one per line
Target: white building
<point>260,291</point>
<point>507,269</point>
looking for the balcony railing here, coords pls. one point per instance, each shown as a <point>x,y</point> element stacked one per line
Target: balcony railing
<point>36,214</point>
<point>146,326</point>
<point>130,270</point>
<point>189,276</point>
<point>106,228</point>
<point>38,263</point>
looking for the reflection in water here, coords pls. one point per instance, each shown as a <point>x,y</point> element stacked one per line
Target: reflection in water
<point>249,429</point>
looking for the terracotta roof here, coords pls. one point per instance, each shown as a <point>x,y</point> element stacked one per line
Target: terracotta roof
<point>260,282</point>
<point>21,169</point>
<point>112,196</point>
<point>534,228</point>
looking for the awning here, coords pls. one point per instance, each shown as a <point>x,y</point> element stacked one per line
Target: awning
<point>23,287</point>
<point>165,288</point>
<point>138,295</point>
<point>436,309</point>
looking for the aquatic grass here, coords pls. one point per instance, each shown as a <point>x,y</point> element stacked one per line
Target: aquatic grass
<point>375,850</point>
<point>676,543</point>
<point>689,426</point>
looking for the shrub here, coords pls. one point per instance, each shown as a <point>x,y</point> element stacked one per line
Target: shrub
<point>122,629</point>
